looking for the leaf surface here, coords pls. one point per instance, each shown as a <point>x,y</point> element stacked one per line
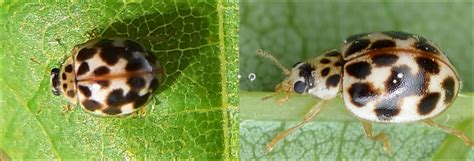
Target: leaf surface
<point>192,115</point>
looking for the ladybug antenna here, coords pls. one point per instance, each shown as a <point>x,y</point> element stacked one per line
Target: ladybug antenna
<point>268,55</point>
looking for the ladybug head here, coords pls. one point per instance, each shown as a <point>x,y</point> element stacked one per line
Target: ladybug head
<point>298,79</point>
<point>55,81</point>
<point>301,77</point>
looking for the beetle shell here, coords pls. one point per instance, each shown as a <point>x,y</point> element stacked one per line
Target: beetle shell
<point>396,77</point>
<point>109,77</point>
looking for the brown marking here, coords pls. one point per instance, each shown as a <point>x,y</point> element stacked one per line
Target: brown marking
<point>64,76</point>
<point>68,68</point>
<point>324,61</point>
<point>428,103</point>
<point>84,90</point>
<point>362,93</point>
<point>325,71</point>
<point>333,80</point>
<point>448,86</point>
<point>91,105</point>
<point>83,68</point>
<point>102,70</point>
<point>71,93</point>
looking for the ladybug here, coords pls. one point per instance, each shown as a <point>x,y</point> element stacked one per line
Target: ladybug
<point>385,77</point>
<point>108,76</point>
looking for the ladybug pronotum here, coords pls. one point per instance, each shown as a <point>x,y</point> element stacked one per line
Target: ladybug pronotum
<point>386,77</point>
<point>108,77</point>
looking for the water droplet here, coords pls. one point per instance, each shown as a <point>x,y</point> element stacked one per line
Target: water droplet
<point>239,76</point>
<point>252,76</point>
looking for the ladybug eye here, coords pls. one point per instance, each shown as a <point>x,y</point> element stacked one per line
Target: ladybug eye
<point>299,87</point>
<point>55,81</point>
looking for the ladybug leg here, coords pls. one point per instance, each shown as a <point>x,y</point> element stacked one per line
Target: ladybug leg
<point>379,137</point>
<point>142,112</point>
<point>287,96</point>
<point>307,118</point>
<point>67,108</point>
<point>278,89</point>
<point>453,131</point>
<point>139,113</point>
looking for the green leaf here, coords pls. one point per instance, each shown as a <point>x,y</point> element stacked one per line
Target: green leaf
<point>193,114</point>
<point>335,134</point>
<point>295,31</point>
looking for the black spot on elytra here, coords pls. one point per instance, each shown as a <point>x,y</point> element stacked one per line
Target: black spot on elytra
<point>384,59</point>
<point>425,46</point>
<point>379,44</point>
<point>448,86</point>
<point>134,65</point>
<point>333,80</point>
<point>132,46</point>
<point>355,37</point>
<point>140,101</point>
<point>386,114</point>
<point>359,70</point>
<point>64,86</point>
<point>428,65</point>
<point>294,65</point>
<point>84,90</point>
<point>400,84</point>
<point>64,76</point>
<point>428,103</point>
<point>112,110</point>
<point>299,87</point>
<point>85,53</point>
<point>357,46</point>
<point>361,93</point>
<point>407,84</point>
<point>101,71</point>
<point>324,61</point>
<point>339,63</point>
<point>387,108</point>
<point>71,93</point>
<point>398,34</point>
<point>91,105</point>
<point>83,68</point>
<point>103,83</point>
<point>117,99</point>
<point>325,71</point>
<point>332,53</point>
<point>136,82</point>
<point>68,68</point>
<point>111,54</point>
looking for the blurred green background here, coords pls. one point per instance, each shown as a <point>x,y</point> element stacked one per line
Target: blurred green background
<point>298,30</point>
<point>192,115</point>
